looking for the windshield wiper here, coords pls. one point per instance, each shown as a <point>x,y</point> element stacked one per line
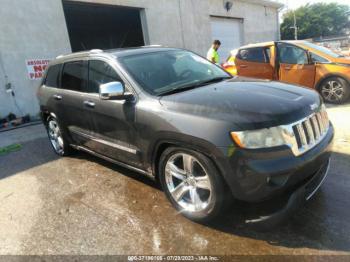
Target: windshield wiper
<point>193,85</point>
<point>214,80</point>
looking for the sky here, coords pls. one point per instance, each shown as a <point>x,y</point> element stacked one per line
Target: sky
<point>292,4</point>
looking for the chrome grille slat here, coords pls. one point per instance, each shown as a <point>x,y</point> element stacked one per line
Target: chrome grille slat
<point>316,127</point>
<point>301,134</point>
<point>307,133</point>
<point>320,122</point>
<point>310,132</point>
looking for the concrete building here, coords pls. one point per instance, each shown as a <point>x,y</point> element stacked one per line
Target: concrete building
<point>32,32</point>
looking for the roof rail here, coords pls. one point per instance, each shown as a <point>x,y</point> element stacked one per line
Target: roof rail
<point>151,46</point>
<point>92,51</point>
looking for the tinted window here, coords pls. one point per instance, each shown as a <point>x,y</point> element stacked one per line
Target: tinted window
<point>268,53</point>
<point>252,54</point>
<point>292,55</point>
<point>53,75</point>
<point>317,58</point>
<point>74,76</point>
<point>100,73</point>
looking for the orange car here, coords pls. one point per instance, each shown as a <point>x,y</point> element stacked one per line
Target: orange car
<point>296,62</point>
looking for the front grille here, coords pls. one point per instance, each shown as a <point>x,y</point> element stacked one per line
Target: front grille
<point>310,131</point>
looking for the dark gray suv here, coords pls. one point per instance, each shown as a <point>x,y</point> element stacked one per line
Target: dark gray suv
<point>173,115</point>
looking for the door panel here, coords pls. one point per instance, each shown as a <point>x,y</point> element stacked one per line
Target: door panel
<point>294,65</point>
<point>75,113</point>
<point>112,120</point>
<point>253,69</point>
<point>114,130</point>
<point>297,74</point>
<point>53,92</point>
<point>254,62</point>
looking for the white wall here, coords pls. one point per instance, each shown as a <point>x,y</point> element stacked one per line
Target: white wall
<point>37,29</point>
<point>28,29</point>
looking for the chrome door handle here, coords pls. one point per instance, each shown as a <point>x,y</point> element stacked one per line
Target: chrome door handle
<point>89,104</point>
<point>57,97</point>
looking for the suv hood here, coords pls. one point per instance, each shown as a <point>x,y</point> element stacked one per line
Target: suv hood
<point>246,103</point>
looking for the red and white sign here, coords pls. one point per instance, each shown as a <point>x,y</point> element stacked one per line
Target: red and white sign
<point>36,68</point>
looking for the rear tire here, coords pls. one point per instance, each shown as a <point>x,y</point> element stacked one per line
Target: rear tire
<point>192,184</point>
<point>335,90</point>
<point>57,137</point>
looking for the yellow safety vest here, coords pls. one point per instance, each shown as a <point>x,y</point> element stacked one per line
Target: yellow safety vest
<point>212,53</point>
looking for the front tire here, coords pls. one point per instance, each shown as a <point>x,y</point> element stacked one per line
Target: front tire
<point>192,184</point>
<point>335,90</point>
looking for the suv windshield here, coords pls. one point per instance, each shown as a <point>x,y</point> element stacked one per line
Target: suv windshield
<point>166,72</point>
<point>323,49</point>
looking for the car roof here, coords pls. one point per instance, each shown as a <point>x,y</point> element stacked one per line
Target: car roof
<point>119,52</point>
<point>122,52</point>
<point>270,43</point>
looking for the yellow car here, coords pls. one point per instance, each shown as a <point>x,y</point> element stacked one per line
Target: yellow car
<point>296,62</point>
<point>230,65</point>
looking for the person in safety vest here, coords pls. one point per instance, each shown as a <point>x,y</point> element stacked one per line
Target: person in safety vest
<point>212,54</point>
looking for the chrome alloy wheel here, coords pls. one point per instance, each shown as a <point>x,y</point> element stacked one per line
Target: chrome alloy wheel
<point>332,91</point>
<point>55,136</point>
<point>188,182</point>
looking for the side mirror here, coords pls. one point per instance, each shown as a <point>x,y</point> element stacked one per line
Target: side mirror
<point>113,91</point>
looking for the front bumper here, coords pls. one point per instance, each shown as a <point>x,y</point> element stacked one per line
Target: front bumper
<point>294,200</point>
<point>259,175</point>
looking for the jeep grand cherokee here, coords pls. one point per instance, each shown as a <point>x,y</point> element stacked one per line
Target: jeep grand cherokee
<point>177,117</point>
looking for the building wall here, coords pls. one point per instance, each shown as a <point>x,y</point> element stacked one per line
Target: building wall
<point>28,29</point>
<point>37,29</point>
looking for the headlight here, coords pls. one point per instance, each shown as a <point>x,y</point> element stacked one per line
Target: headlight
<point>262,138</point>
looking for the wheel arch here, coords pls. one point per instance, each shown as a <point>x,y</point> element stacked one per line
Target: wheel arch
<point>188,142</point>
<point>325,77</point>
<point>45,114</point>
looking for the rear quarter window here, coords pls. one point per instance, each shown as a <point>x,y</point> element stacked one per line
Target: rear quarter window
<point>53,76</point>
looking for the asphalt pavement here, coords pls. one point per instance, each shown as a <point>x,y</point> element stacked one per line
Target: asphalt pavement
<point>83,205</point>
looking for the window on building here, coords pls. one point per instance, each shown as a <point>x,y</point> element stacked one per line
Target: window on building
<point>53,76</point>
<point>252,55</point>
<point>100,73</point>
<point>74,76</point>
<point>289,54</point>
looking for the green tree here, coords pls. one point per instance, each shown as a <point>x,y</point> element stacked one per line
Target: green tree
<point>316,20</point>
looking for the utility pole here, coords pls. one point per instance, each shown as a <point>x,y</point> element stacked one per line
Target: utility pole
<point>295,27</point>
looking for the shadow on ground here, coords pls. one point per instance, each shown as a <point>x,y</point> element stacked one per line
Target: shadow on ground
<point>322,223</point>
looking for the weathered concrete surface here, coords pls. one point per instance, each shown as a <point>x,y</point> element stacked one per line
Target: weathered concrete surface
<point>82,205</point>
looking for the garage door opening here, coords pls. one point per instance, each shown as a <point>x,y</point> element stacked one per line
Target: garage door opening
<point>92,26</point>
<point>229,32</point>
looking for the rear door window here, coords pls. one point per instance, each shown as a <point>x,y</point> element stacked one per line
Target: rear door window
<point>53,76</point>
<point>252,55</point>
<point>74,76</point>
<point>100,73</point>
